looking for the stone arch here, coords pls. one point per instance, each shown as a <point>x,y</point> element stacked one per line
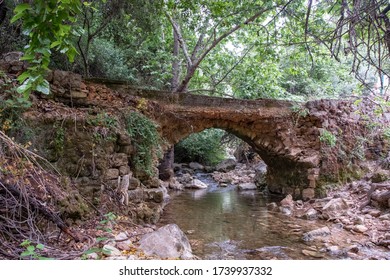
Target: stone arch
<point>272,139</point>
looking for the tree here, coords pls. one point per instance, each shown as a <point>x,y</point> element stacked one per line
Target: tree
<point>46,23</point>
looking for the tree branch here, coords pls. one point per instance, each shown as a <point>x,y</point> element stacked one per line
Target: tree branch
<point>191,70</point>
<point>181,40</point>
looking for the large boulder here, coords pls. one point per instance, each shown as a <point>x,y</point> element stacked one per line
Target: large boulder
<point>226,165</point>
<point>167,242</point>
<point>196,184</point>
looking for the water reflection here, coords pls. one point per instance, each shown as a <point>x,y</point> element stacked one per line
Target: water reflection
<point>223,223</point>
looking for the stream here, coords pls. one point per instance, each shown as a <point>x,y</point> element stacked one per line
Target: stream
<point>223,223</point>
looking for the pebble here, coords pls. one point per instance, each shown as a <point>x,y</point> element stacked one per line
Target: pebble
<point>358,220</point>
<point>311,214</point>
<point>385,217</point>
<point>334,250</point>
<point>313,254</point>
<point>110,251</point>
<point>360,228</point>
<point>285,210</point>
<point>375,213</point>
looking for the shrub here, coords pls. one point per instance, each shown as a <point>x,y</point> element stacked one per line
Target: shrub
<point>204,147</point>
<point>144,134</point>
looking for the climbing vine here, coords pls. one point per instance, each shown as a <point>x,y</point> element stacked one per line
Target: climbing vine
<point>146,139</point>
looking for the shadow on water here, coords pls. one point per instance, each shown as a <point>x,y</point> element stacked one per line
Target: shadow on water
<point>223,223</point>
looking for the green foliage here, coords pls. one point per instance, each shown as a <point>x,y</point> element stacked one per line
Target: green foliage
<point>106,60</point>
<point>204,147</point>
<point>33,251</point>
<point>59,139</point>
<point>12,105</point>
<point>328,138</point>
<point>47,25</point>
<point>105,225</point>
<point>102,119</point>
<point>146,139</point>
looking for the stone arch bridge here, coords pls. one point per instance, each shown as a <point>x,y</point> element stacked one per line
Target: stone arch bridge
<point>286,135</point>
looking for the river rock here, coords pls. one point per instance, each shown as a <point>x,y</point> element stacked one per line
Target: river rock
<point>122,241</point>
<point>358,220</point>
<point>320,232</point>
<point>260,178</point>
<point>226,165</point>
<point>385,217</point>
<point>313,254</point>
<point>333,250</point>
<point>196,184</point>
<point>287,201</point>
<point>311,214</point>
<point>360,228</point>
<point>247,186</point>
<point>110,251</point>
<point>196,166</point>
<point>185,179</point>
<point>167,242</point>
<point>335,207</point>
<point>174,184</point>
<point>286,210</point>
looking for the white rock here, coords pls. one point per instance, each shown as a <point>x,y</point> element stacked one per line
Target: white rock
<point>285,210</point>
<point>125,244</point>
<point>110,251</point>
<point>360,228</point>
<point>247,186</point>
<point>334,250</point>
<point>311,214</point>
<point>167,242</point>
<point>93,256</point>
<point>196,184</point>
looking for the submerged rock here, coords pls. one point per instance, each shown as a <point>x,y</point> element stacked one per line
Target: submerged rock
<point>167,242</point>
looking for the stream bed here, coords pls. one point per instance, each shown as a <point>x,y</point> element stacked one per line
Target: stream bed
<point>223,223</point>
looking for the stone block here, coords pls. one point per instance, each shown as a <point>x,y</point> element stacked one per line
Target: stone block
<point>123,170</point>
<point>112,173</point>
<point>134,183</point>
<point>308,193</point>
<point>119,159</point>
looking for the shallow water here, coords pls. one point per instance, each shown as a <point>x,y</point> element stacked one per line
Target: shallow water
<point>223,223</point>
